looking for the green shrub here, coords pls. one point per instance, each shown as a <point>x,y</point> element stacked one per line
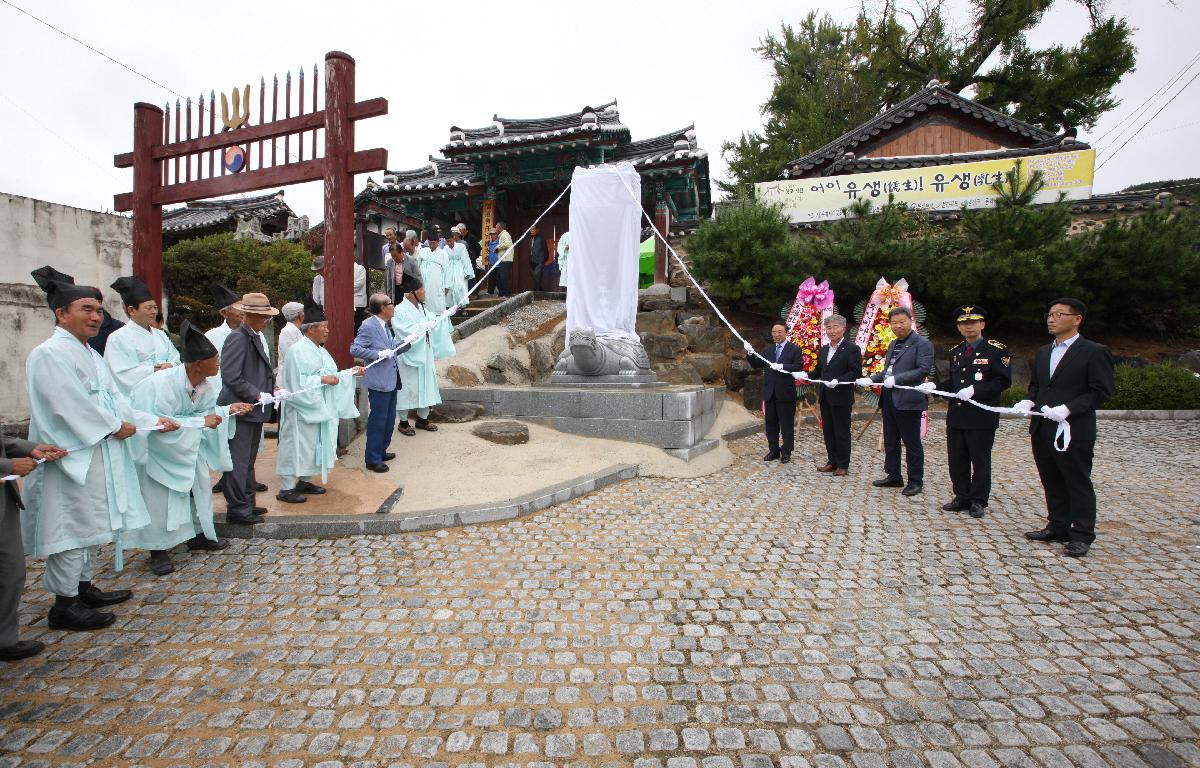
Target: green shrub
<point>1154,387</point>
<point>1012,396</point>
<point>746,255</point>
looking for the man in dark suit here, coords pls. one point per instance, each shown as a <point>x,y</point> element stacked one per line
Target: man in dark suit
<point>779,391</point>
<point>838,361</point>
<point>909,361</point>
<point>17,457</point>
<point>1070,380</point>
<point>979,371</point>
<point>246,375</point>
<point>538,255</point>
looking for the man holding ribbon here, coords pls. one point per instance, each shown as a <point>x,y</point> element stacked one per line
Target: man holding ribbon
<point>137,349</point>
<point>779,391</point>
<point>91,496</point>
<point>979,371</point>
<point>376,344</point>
<point>1070,380</point>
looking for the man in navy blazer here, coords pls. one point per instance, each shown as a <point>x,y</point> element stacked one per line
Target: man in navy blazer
<point>1072,378</point>
<point>838,361</point>
<point>779,391</point>
<point>375,340</point>
<point>909,362</point>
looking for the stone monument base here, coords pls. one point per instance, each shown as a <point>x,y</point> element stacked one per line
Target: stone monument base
<point>675,418</point>
<point>648,379</point>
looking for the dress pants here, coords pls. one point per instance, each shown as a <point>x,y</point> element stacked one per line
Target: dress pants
<point>504,278</point>
<point>238,483</point>
<point>835,425</point>
<point>381,420</point>
<point>12,569</point>
<point>780,419</point>
<point>967,450</point>
<point>1067,481</point>
<point>902,427</point>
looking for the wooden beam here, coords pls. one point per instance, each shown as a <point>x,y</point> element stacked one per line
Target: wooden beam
<point>361,110</point>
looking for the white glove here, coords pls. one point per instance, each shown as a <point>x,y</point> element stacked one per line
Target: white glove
<point>478,262</point>
<point>832,384</point>
<point>927,386</point>
<point>282,394</point>
<point>865,381</point>
<point>748,347</point>
<point>889,382</point>
<point>265,398</point>
<point>966,393</point>
<point>386,353</point>
<point>1025,407</point>
<point>801,375</point>
<point>1058,413</point>
<point>777,367</point>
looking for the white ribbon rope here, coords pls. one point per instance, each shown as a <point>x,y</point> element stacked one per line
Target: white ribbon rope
<point>1062,435</point>
<point>183,424</point>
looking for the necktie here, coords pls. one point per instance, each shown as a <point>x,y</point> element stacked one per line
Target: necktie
<point>778,351</point>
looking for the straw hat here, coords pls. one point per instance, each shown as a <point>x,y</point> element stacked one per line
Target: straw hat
<point>257,304</point>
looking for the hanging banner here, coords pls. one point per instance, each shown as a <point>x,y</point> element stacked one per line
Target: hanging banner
<point>487,221</point>
<point>936,188</point>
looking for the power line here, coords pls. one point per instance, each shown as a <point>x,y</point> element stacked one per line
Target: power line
<point>1148,121</point>
<point>107,171</point>
<point>1152,97</point>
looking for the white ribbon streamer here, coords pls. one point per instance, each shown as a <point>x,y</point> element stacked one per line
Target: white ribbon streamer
<point>76,448</point>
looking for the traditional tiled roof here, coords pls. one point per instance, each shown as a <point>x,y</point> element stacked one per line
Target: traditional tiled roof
<point>438,174</point>
<point>933,96</point>
<point>507,130</point>
<point>211,214</point>
<point>670,147</point>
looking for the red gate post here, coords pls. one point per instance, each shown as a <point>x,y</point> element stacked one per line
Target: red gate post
<point>339,205</point>
<point>147,215</point>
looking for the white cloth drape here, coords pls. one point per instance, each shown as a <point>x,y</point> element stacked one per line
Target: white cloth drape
<point>605,235</point>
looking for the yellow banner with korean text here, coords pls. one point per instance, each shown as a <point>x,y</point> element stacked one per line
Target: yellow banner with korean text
<point>935,188</point>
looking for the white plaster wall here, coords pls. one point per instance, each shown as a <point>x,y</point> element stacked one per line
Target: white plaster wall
<point>95,248</point>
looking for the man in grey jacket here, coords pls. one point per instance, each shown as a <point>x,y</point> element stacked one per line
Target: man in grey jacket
<point>246,375</point>
<point>909,361</point>
<point>17,457</point>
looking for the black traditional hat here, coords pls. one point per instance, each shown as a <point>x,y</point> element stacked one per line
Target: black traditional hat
<point>410,283</point>
<point>313,312</point>
<point>196,345</point>
<point>223,296</point>
<point>971,312</point>
<point>133,291</point>
<point>60,287</point>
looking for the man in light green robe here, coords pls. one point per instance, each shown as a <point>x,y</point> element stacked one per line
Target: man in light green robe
<point>308,421</point>
<point>434,264</point>
<point>459,269</point>
<point>91,496</point>
<point>137,349</point>
<point>564,256</point>
<point>417,372</point>
<point>173,468</point>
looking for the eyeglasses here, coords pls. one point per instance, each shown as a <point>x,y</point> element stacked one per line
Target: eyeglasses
<point>1060,315</point>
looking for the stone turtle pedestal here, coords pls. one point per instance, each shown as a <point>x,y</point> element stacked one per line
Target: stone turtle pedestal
<point>675,418</point>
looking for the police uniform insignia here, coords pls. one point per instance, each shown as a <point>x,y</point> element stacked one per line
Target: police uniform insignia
<point>1005,360</point>
<point>996,344</point>
<point>978,375</point>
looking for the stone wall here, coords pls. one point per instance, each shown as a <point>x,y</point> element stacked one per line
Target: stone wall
<point>95,248</point>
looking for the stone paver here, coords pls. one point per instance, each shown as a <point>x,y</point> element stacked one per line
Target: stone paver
<point>766,615</point>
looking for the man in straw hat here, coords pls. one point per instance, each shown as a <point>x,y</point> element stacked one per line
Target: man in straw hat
<point>246,376</point>
<point>174,468</point>
<point>90,496</point>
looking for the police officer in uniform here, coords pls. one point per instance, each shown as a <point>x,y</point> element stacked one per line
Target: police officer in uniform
<point>979,370</point>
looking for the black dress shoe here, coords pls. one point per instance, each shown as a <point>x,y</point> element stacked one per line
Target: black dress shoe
<point>771,456</point>
<point>260,511</point>
<point>22,649</point>
<point>160,563</point>
<point>201,544</point>
<point>1076,549</point>
<point>95,598</point>
<point>260,487</point>
<point>889,482</point>
<point>308,488</point>
<point>291,497</point>
<point>389,456</point>
<point>785,458</point>
<point>378,467</point>
<point>1046,534</point>
<point>955,506</point>
<point>912,489</point>
<point>978,510</point>
<point>243,519</point>
<point>71,614</point>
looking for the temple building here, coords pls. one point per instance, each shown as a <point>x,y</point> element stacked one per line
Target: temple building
<point>261,217</point>
<point>519,166</point>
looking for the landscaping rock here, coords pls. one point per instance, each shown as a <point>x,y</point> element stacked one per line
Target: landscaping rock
<point>541,362</point>
<point>752,392</point>
<point>1191,360</point>
<point>736,373</point>
<point>703,338</point>
<point>658,321</point>
<point>677,373</point>
<point>462,377</point>
<point>664,346</point>
<point>502,432</point>
<point>503,368</point>
<point>456,412</point>
<point>709,367</point>
<point>558,342</point>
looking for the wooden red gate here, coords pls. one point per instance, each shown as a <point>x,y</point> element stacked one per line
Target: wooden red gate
<point>184,167</point>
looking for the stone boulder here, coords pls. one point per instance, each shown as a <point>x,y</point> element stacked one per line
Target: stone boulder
<point>703,338</point>
<point>1191,360</point>
<point>752,389</point>
<point>677,373</point>
<point>502,432</point>
<point>736,373</point>
<point>656,321</point>
<point>688,316</point>
<point>558,342</point>
<point>664,346</point>
<point>455,412</point>
<point>503,368</point>
<point>541,362</point>
<point>709,367</point>
<point>461,376</point>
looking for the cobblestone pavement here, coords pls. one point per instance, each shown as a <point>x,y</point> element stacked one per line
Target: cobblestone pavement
<point>763,616</point>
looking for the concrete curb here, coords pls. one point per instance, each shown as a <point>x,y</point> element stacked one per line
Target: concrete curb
<point>385,522</point>
<point>493,315</point>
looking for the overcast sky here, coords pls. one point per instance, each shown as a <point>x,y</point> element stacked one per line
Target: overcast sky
<point>65,110</point>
